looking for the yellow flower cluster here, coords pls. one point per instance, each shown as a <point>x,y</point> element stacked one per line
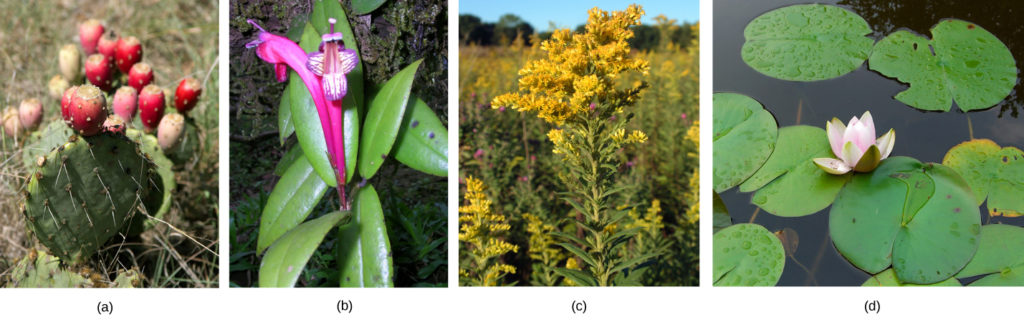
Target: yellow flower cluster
<point>651,222</point>
<point>693,198</point>
<point>579,69</point>
<point>479,228</point>
<point>542,243</point>
<point>693,134</point>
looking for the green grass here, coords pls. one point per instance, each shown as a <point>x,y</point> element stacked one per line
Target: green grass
<point>179,40</point>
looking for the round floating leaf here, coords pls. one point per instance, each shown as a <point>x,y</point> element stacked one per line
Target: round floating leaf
<point>920,218</point>
<point>721,214</point>
<point>790,184</point>
<point>747,255</point>
<point>806,42</point>
<point>745,136</point>
<point>1000,253</point>
<point>993,172</point>
<point>888,278</point>
<point>962,62</point>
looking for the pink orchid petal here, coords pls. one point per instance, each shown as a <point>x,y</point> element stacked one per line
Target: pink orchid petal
<point>335,86</point>
<point>315,63</point>
<point>349,59</point>
<point>281,70</point>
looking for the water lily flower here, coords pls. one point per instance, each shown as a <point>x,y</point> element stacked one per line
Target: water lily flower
<point>855,146</point>
<point>326,84</point>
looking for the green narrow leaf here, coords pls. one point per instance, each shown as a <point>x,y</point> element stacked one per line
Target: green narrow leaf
<point>363,249</point>
<point>383,119</point>
<point>632,262</point>
<point>286,258</point>
<point>306,119</point>
<point>284,115</point>
<point>354,103</point>
<point>287,160</point>
<point>363,7</point>
<point>579,253</point>
<point>579,277</point>
<point>292,199</point>
<point>422,141</point>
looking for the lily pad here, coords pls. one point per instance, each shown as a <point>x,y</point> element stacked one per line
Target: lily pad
<point>992,172</point>
<point>888,278</point>
<point>744,137</point>
<point>919,218</point>
<point>806,42</point>
<point>747,255</point>
<point>1001,254</point>
<point>721,214</point>
<point>790,184</point>
<point>962,62</point>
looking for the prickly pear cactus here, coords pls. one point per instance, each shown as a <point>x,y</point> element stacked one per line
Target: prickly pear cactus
<point>39,269</point>
<point>41,142</point>
<point>188,146</point>
<point>158,202</point>
<point>85,191</point>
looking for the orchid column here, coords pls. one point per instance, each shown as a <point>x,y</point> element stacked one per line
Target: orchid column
<point>323,73</point>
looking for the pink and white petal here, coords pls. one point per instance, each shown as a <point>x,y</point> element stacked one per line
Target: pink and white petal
<point>832,166</point>
<point>315,63</point>
<point>335,86</point>
<point>868,123</point>
<point>835,129</point>
<point>886,143</point>
<point>858,134</point>
<point>348,58</point>
<point>851,154</point>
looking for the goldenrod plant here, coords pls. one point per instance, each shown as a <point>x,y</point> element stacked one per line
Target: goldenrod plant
<point>480,232</point>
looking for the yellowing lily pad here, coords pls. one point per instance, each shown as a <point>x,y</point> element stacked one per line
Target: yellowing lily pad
<point>721,214</point>
<point>747,255</point>
<point>744,137</point>
<point>919,218</point>
<point>790,184</point>
<point>992,172</point>
<point>1000,254</point>
<point>806,42</point>
<point>962,62</point>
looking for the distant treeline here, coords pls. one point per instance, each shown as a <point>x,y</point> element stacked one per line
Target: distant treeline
<point>473,30</point>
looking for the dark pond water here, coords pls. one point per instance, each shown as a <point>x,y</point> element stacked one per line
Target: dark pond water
<point>926,136</point>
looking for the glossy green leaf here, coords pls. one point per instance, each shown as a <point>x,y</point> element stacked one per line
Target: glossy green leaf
<point>363,7</point>
<point>744,137</point>
<point>292,199</point>
<point>992,172</point>
<point>747,255</point>
<point>422,141</point>
<point>920,218</point>
<point>1000,253</point>
<point>888,278</point>
<point>287,257</point>
<point>806,42</point>
<point>287,160</point>
<point>790,184</point>
<point>721,214</point>
<point>962,62</point>
<point>284,115</point>
<point>383,120</point>
<point>306,118</point>
<point>363,249</point>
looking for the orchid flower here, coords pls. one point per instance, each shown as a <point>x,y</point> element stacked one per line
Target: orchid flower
<point>855,146</point>
<point>332,62</point>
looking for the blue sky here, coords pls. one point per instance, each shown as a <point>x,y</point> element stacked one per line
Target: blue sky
<point>569,13</point>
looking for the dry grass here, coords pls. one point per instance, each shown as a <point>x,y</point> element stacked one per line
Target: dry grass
<point>179,40</point>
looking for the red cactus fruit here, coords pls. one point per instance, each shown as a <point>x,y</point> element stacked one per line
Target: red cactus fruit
<point>126,101</point>
<point>187,95</point>
<point>98,71</point>
<point>140,75</point>
<point>89,33</point>
<point>30,112</point>
<point>151,107</point>
<point>88,110</point>
<point>170,130</point>
<point>65,103</point>
<point>127,53</point>
<point>12,125</point>
<point>114,124</point>
<point>107,45</point>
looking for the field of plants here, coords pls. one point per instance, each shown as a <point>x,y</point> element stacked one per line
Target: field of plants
<point>528,215</point>
<point>106,181</point>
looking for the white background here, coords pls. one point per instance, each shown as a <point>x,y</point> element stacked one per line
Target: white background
<point>455,306</point>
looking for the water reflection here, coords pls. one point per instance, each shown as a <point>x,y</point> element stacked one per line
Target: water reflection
<point>922,135</point>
